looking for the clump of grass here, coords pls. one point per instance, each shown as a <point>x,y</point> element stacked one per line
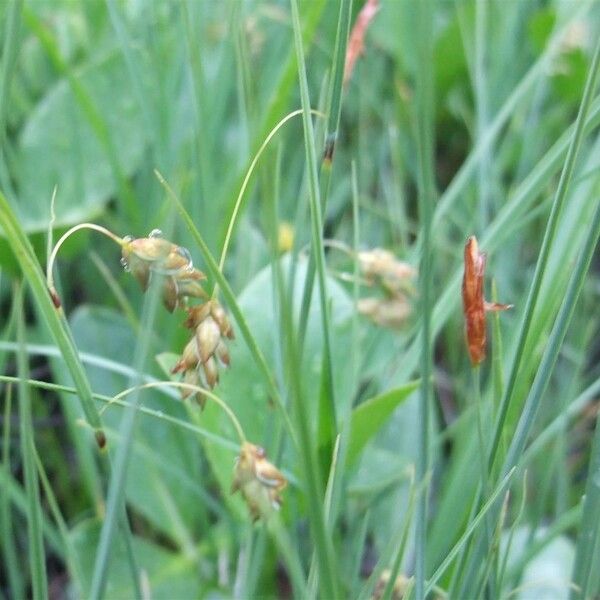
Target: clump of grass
<point>325,165</point>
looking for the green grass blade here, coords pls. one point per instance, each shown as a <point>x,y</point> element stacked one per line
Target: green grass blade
<point>425,185</point>
<point>10,51</point>
<point>327,408</point>
<point>54,317</point>
<point>464,538</point>
<point>585,570</point>
<point>495,127</point>
<point>37,558</point>
<point>549,235</point>
<point>9,550</point>
<point>334,111</point>
<point>553,346</point>
<point>326,563</point>
<point>554,343</point>
<point>115,506</point>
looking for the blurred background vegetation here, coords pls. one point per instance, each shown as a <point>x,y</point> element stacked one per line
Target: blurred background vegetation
<point>94,96</point>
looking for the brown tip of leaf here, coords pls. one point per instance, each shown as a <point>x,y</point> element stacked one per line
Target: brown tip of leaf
<point>329,149</point>
<point>100,438</point>
<point>178,367</point>
<point>55,299</point>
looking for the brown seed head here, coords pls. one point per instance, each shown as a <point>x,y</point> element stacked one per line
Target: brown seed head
<point>474,305</point>
<point>258,480</point>
<point>144,256</point>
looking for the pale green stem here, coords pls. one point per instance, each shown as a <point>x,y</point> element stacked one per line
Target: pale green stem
<point>63,239</point>
<point>238,202</point>
<point>185,386</point>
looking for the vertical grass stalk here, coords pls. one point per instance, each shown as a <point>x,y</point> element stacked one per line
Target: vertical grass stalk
<point>115,505</point>
<point>425,144</point>
<point>327,409</point>
<point>37,558</point>
<point>9,549</point>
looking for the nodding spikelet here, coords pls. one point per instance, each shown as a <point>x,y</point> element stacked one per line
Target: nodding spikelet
<point>259,482</point>
<point>207,347</point>
<point>153,256</point>
<point>156,256</point>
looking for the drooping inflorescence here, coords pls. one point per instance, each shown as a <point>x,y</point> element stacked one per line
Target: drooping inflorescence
<point>154,256</point>
<point>259,482</point>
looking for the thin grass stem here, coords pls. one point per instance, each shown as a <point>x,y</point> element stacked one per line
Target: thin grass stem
<point>240,197</point>
<point>37,557</point>
<point>9,549</point>
<point>192,388</point>
<point>425,184</point>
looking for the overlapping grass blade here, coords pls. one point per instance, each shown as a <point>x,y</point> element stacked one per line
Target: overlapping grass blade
<point>327,408</point>
<point>426,191</point>
<point>577,279</point>
<point>37,557</point>
<point>230,298</point>
<point>53,317</point>
<point>9,549</point>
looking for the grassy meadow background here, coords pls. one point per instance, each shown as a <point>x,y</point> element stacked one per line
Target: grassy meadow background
<point>410,473</point>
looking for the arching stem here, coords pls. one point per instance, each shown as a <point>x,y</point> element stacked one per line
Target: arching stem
<point>186,386</point>
<point>62,240</point>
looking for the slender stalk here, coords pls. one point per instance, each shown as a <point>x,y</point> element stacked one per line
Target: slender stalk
<point>37,558</point>
<point>464,538</point>
<point>425,137</point>
<point>327,406</point>
<point>311,473</point>
<point>240,197</point>
<point>63,239</point>
<point>157,414</point>
<point>55,321</point>
<point>334,111</point>
<point>481,105</point>
<point>115,506</point>
<point>11,562</point>
<point>485,484</point>
<point>185,386</point>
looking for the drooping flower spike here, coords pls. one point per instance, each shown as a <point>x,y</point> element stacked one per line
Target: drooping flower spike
<point>207,348</point>
<point>156,256</point>
<point>144,256</point>
<point>474,304</point>
<point>259,482</point>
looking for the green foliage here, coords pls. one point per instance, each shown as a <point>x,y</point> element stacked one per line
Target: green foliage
<point>210,121</point>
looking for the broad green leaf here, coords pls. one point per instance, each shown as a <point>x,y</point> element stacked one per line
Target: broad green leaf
<point>369,417</point>
<point>58,147</point>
